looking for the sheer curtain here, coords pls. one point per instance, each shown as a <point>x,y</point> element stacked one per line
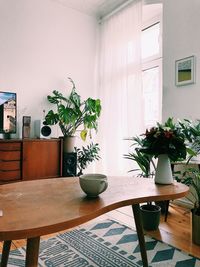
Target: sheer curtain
<point>120,87</point>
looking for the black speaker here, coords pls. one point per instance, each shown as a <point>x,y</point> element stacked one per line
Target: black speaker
<point>69,164</point>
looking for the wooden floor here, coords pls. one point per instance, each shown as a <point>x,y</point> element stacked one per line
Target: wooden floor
<point>176,231</point>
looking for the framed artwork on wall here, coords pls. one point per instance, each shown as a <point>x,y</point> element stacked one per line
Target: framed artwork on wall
<point>185,71</point>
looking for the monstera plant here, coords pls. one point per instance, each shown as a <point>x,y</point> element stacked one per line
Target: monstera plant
<point>72,114</point>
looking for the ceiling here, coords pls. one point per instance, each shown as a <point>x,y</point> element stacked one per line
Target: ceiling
<point>98,8</point>
<point>101,8</point>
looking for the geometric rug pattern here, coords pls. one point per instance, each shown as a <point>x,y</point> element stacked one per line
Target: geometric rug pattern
<point>103,244</point>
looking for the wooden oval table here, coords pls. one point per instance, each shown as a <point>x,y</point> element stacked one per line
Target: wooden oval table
<point>35,208</point>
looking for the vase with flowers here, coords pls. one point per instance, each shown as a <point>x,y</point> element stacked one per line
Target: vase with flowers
<point>167,143</point>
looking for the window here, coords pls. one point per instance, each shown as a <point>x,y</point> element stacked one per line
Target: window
<point>152,73</point>
<point>151,88</point>
<point>150,41</point>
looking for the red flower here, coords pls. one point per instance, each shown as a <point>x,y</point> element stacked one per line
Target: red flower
<point>168,134</point>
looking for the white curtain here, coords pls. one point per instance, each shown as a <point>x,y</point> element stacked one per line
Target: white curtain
<point>120,88</point>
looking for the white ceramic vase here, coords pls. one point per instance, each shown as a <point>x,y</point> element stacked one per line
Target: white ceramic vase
<point>163,170</point>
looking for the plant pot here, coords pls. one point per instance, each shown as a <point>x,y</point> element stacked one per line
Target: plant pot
<point>162,205</point>
<point>163,173</point>
<point>150,215</point>
<point>68,144</point>
<point>195,228</point>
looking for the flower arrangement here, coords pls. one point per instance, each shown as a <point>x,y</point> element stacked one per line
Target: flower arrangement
<point>165,139</point>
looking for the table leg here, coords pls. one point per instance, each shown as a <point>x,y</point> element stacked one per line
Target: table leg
<point>140,232</point>
<point>32,252</point>
<point>166,209</point>
<point>5,253</point>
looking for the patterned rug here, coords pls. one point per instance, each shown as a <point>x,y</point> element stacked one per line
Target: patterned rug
<point>104,244</point>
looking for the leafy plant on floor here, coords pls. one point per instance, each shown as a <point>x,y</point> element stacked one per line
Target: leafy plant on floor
<point>191,177</point>
<point>191,130</point>
<point>144,161</point>
<point>86,155</point>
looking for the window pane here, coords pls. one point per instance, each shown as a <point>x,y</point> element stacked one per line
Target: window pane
<point>150,79</point>
<point>150,41</point>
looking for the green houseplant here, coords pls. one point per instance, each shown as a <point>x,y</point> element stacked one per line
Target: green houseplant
<point>191,130</point>
<point>191,177</point>
<point>86,155</point>
<point>144,161</point>
<point>72,114</point>
<point>150,213</point>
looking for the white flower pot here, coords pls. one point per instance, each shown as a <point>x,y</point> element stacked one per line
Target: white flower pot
<point>163,171</point>
<point>68,144</point>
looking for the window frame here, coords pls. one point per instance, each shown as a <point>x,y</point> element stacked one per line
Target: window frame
<point>155,61</point>
<point>148,24</point>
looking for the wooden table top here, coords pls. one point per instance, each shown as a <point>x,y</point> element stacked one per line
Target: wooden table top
<point>35,208</point>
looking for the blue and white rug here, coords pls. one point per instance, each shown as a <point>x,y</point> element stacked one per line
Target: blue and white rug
<point>104,244</point>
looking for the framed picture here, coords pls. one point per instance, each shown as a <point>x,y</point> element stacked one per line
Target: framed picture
<point>185,71</point>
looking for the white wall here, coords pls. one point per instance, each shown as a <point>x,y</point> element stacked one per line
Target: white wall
<point>181,39</point>
<point>41,44</point>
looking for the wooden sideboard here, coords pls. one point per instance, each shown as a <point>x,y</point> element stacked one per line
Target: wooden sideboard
<point>30,159</point>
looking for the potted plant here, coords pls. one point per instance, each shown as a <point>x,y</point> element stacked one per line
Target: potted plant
<point>86,155</point>
<point>191,177</point>
<point>167,143</point>
<point>150,212</point>
<point>144,161</point>
<point>191,130</point>
<point>72,113</point>
<point>168,140</point>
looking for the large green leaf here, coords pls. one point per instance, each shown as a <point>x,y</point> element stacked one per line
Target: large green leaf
<point>93,106</point>
<point>51,118</point>
<point>90,121</point>
<point>67,115</point>
<point>75,99</point>
<point>56,98</point>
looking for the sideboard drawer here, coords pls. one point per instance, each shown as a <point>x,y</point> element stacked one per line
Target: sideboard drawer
<point>10,175</point>
<point>9,165</point>
<point>10,146</point>
<point>10,155</point>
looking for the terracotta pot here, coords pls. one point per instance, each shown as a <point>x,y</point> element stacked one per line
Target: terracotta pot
<point>195,228</point>
<point>69,144</point>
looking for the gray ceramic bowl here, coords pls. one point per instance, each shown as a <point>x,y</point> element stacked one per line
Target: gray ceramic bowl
<point>93,184</point>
